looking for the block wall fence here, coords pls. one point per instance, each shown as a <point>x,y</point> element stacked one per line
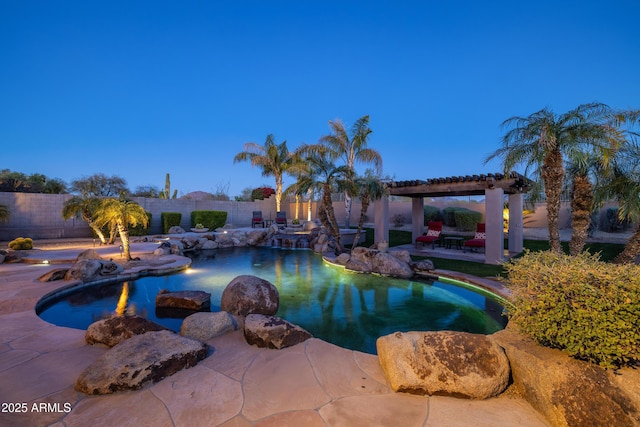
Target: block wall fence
<point>39,216</point>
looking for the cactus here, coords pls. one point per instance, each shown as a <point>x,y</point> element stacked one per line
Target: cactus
<point>167,189</point>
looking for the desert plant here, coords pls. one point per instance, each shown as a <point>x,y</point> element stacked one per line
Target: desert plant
<point>21,244</point>
<point>579,304</point>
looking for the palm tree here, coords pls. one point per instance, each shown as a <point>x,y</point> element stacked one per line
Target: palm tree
<point>351,149</point>
<point>539,141</point>
<point>323,176</point>
<point>121,213</point>
<point>370,188</point>
<point>86,207</point>
<point>4,213</point>
<point>274,159</point>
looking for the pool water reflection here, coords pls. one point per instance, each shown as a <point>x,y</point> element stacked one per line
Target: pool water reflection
<point>348,309</point>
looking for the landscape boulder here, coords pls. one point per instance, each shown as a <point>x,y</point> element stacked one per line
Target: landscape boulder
<point>567,391</point>
<point>205,326</point>
<point>186,300</point>
<point>176,229</point>
<point>422,265</point>
<point>53,275</point>
<point>273,332</point>
<point>116,329</point>
<point>248,294</point>
<point>388,265</point>
<point>140,360</point>
<point>446,363</point>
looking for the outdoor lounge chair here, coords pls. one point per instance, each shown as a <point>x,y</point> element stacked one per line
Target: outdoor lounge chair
<point>281,219</point>
<point>257,219</point>
<point>433,234</point>
<point>479,240</point>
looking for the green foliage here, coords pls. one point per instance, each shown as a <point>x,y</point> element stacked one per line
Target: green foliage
<point>139,229</point>
<point>449,215</point>
<point>4,213</point>
<point>210,219</point>
<point>21,243</point>
<point>432,213</point>
<point>169,219</point>
<point>467,219</point>
<point>586,307</point>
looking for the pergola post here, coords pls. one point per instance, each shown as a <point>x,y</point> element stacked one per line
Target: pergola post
<point>516,234</point>
<point>417,217</point>
<point>381,218</point>
<point>494,226</point>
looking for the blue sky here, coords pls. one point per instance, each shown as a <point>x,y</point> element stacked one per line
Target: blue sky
<point>142,88</point>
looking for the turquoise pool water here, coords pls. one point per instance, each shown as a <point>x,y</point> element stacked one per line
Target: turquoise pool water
<point>348,309</point>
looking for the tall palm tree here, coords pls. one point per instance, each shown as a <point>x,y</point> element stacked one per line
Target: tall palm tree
<point>86,207</point>
<point>540,142</point>
<point>369,188</point>
<point>121,213</point>
<point>351,147</point>
<point>323,176</point>
<point>274,159</point>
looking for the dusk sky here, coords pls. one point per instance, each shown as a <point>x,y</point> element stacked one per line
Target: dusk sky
<point>142,88</point>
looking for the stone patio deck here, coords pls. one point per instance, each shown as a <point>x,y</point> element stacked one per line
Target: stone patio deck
<point>311,384</point>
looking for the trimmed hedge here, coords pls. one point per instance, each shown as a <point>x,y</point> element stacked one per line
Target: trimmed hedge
<point>432,213</point>
<point>467,219</point>
<point>169,219</point>
<point>448,215</point>
<point>210,219</point>
<point>579,304</point>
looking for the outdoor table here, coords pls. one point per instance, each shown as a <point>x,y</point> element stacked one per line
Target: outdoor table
<point>448,241</point>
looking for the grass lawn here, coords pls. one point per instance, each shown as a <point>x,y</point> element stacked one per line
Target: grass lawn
<point>608,252</point>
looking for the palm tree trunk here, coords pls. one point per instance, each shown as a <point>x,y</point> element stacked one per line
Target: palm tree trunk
<point>278,192</point>
<point>552,175</point>
<point>95,229</point>
<point>124,237</point>
<point>631,249</point>
<point>328,217</point>
<point>363,214</point>
<point>309,209</point>
<point>581,201</point>
<point>113,232</point>
<point>348,201</point>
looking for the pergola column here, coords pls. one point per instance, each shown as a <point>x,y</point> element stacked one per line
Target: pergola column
<point>516,234</point>
<point>417,217</point>
<point>381,218</point>
<point>494,226</point>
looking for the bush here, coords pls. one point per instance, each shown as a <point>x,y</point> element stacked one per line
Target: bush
<point>448,215</point>
<point>210,219</point>
<point>262,193</point>
<point>21,244</point>
<point>169,219</point>
<point>586,307</point>
<point>398,220</point>
<point>432,213</point>
<point>467,219</point>
<point>140,230</point>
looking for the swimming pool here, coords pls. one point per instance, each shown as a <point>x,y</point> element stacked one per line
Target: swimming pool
<point>348,309</point>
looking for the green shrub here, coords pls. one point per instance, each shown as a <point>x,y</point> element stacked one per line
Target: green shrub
<point>169,219</point>
<point>21,244</point>
<point>448,215</point>
<point>467,219</point>
<point>140,230</point>
<point>432,213</point>
<point>210,219</point>
<point>586,307</point>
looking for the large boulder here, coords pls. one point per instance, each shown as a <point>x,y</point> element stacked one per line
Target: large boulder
<point>186,300</point>
<point>388,265</point>
<point>205,326</point>
<point>570,392</point>
<point>250,294</point>
<point>84,270</point>
<point>457,364</point>
<point>176,229</point>
<point>273,332</point>
<point>422,265</point>
<point>140,360</point>
<point>116,329</point>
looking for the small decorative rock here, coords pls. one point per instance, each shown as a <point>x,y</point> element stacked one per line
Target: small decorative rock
<point>273,332</point>
<point>250,294</point>
<point>204,326</point>
<point>116,329</point>
<point>188,300</point>
<point>140,360</point>
<point>457,364</point>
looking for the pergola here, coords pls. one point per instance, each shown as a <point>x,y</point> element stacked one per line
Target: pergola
<point>492,186</point>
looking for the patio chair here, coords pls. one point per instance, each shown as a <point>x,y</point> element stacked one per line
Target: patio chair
<point>257,219</point>
<point>281,219</point>
<point>433,234</point>
<point>479,239</point>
